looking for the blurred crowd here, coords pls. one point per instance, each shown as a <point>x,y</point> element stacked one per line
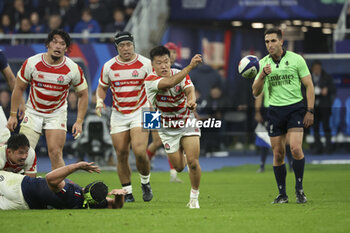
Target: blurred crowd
<point>76,16</point>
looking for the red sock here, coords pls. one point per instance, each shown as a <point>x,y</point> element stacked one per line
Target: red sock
<point>150,154</point>
<point>170,165</point>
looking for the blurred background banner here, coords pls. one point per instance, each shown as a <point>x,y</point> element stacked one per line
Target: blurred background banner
<point>254,9</point>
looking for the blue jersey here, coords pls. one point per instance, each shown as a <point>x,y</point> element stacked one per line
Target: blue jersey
<point>37,194</point>
<point>3,60</point>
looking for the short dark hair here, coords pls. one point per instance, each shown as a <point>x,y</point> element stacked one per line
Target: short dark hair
<point>17,141</point>
<point>65,36</point>
<point>274,30</point>
<point>159,51</point>
<point>95,194</point>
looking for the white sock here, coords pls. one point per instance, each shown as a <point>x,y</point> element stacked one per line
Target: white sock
<point>173,173</point>
<point>145,179</point>
<point>128,189</point>
<point>194,194</point>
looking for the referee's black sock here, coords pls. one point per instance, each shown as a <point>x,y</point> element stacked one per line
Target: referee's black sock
<point>280,175</point>
<point>298,166</point>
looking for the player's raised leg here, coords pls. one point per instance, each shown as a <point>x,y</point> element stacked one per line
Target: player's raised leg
<point>279,168</point>
<point>139,141</point>
<point>55,139</point>
<point>191,148</point>
<point>121,143</point>
<point>296,140</point>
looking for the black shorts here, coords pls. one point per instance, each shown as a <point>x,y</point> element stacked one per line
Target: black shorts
<point>282,118</point>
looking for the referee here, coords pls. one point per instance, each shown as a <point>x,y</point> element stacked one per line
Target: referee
<point>283,72</point>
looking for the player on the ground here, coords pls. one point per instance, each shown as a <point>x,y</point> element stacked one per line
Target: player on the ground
<point>171,92</point>
<point>50,76</point>
<point>55,191</point>
<point>17,156</point>
<point>124,75</point>
<point>284,71</point>
<point>156,141</point>
<point>6,71</point>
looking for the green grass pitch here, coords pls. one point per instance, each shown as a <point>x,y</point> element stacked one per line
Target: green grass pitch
<point>232,200</point>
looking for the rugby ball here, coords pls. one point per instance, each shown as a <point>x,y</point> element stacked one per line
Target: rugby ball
<point>249,66</point>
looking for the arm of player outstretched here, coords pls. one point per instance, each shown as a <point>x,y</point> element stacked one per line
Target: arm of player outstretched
<point>177,78</point>
<point>55,178</point>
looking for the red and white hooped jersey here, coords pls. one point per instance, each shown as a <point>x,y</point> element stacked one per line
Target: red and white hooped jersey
<point>28,167</point>
<point>170,102</point>
<point>126,80</point>
<point>49,85</point>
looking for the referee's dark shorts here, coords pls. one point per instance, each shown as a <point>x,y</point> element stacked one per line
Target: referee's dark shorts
<point>282,118</point>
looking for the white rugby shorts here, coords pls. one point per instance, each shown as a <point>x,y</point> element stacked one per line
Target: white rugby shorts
<point>38,122</point>
<point>11,197</point>
<point>122,122</point>
<point>171,137</point>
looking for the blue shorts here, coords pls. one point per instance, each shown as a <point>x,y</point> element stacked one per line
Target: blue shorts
<point>282,118</point>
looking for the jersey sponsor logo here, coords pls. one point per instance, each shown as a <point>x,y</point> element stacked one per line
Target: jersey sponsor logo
<point>116,75</point>
<point>60,79</point>
<point>163,98</point>
<point>50,86</point>
<point>135,73</point>
<point>127,83</point>
<point>40,76</point>
<point>151,120</point>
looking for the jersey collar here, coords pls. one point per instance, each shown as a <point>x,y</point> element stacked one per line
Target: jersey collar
<point>277,62</point>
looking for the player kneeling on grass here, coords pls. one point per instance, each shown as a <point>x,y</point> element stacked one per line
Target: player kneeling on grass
<point>55,191</point>
<point>171,93</point>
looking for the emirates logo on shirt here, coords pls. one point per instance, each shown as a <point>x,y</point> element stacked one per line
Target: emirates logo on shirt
<point>60,79</point>
<point>135,73</point>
